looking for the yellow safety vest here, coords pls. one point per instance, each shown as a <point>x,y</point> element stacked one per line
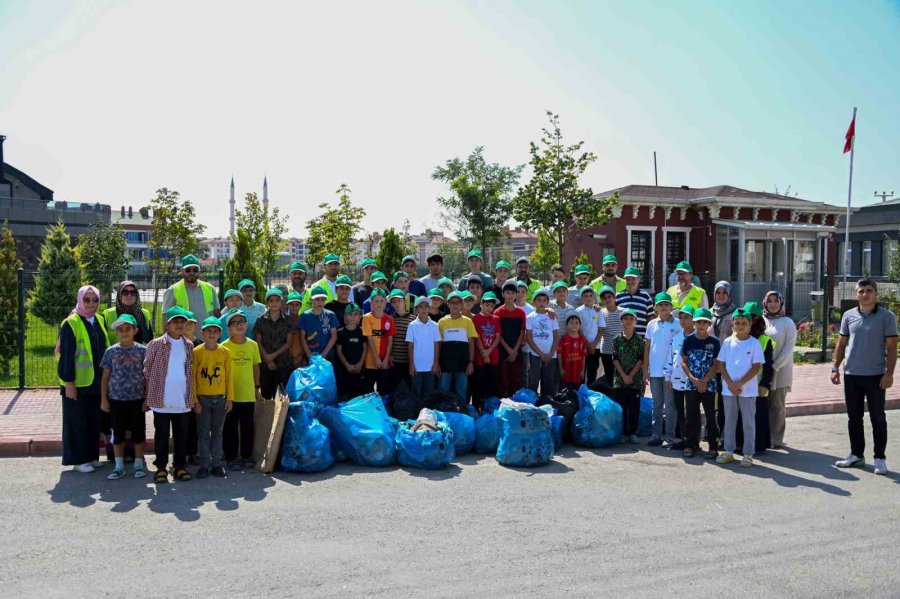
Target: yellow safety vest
<point>84,358</point>
<point>306,304</point>
<point>694,297</point>
<point>764,340</point>
<point>181,298</point>
<point>110,315</point>
<point>598,284</point>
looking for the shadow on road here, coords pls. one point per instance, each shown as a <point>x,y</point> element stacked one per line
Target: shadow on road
<point>810,462</point>
<point>784,479</point>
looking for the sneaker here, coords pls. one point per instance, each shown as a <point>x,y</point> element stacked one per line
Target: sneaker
<point>851,461</point>
<point>234,465</point>
<point>687,452</point>
<point>97,464</point>
<point>725,458</point>
<point>116,474</point>
<point>654,442</point>
<point>139,472</point>
<point>203,472</point>
<point>633,439</point>
<point>218,472</point>
<point>83,468</point>
<point>711,454</point>
<point>746,462</point>
<point>248,464</point>
<point>667,445</point>
<point>881,466</point>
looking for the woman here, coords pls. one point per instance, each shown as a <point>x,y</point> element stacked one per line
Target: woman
<point>783,332</point>
<point>722,309</point>
<point>128,301</point>
<point>82,341</point>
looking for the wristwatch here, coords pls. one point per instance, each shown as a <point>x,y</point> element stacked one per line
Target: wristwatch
<point>835,369</point>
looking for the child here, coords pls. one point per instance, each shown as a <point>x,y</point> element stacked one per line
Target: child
<point>593,324</point>
<point>468,303</point>
<point>237,436</point>
<point>763,438</point>
<point>657,353</point>
<point>122,394</point>
<point>169,380</point>
<point>213,394</point>
<point>611,316</point>
<point>402,282</point>
<point>338,306</point>
<point>542,338</point>
<point>190,327</point>
<point>274,336</point>
<point>190,332</point>
<point>379,281</point>
<point>673,373</point>
<point>628,360</point>
<point>457,353</point>
<point>378,328</point>
<point>233,301</point>
<point>573,348</point>
<point>438,308</point>
<point>318,326</point>
<point>698,361</point>
<point>502,271</point>
<point>294,301</point>
<point>487,354</point>
<point>399,350</point>
<point>446,287</point>
<point>475,288</point>
<point>512,338</point>
<point>351,355</point>
<point>739,361</point>
<point>423,340</point>
<point>561,306</point>
<point>522,292</point>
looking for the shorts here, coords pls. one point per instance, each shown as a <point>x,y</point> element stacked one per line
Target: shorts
<point>128,416</point>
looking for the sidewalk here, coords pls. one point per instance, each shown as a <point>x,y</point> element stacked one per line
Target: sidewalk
<point>31,420</point>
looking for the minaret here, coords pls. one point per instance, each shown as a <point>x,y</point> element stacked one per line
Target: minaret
<point>265,193</point>
<point>231,203</point>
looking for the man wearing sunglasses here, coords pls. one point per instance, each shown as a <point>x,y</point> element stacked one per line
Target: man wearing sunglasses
<point>190,293</point>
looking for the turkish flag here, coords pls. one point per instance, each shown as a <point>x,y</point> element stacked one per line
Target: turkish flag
<point>851,133</point>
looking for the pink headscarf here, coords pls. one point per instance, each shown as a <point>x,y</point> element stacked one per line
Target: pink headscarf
<point>79,306</point>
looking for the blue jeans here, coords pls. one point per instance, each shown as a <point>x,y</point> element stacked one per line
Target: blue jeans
<point>459,380</point>
<point>422,383</point>
<point>663,403</point>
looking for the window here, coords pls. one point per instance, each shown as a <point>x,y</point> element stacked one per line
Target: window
<point>804,261</point>
<point>755,261</point>
<point>640,257</point>
<point>676,249</point>
<point>136,237</point>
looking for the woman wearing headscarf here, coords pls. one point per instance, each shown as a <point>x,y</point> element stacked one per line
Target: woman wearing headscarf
<point>82,341</point>
<point>722,309</point>
<point>128,301</point>
<point>783,332</point>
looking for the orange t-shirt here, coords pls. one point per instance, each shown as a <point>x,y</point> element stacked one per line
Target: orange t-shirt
<point>379,329</point>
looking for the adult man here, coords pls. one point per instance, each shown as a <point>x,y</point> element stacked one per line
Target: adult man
<point>609,277</point>
<point>435,272</point>
<point>190,293</point>
<point>332,265</point>
<point>475,261</point>
<point>868,340</point>
<point>582,276</point>
<point>297,274</point>
<point>637,299</point>
<point>522,274</point>
<point>251,308</point>
<point>362,291</point>
<point>416,287</point>
<point>685,293</point>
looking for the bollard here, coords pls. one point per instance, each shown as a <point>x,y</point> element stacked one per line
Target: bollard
<point>21,278</point>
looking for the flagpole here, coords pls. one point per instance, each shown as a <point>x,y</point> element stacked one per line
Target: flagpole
<point>847,220</point>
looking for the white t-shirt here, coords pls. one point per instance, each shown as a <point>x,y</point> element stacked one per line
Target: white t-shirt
<point>541,327</point>
<point>660,335</point>
<point>739,357</point>
<point>423,336</point>
<point>591,321</point>
<point>175,390</point>
<point>674,371</point>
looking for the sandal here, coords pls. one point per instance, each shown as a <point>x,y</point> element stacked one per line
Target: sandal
<point>161,477</point>
<point>182,474</point>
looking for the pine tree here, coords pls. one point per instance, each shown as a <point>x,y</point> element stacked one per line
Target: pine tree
<point>56,287</point>
<point>391,251</point>
<point>241,266</point>
<point>9,300</point>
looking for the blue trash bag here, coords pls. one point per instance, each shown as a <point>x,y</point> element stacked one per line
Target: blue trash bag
<point>362,430</point>
<point>525,395</point>
<point>645,424</point>
<point>487,433</point>
<point>472,411</point>
<point>598,422</point>
<point>525,437</point>
<point>490,405</point>
<point>425,448</point>
<point>315,382</point>
<point>306,444</point>
<point>557,426</point>
<point>463,427</point>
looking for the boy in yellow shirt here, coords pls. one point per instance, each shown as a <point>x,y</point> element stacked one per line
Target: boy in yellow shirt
<point>213,394</point>
<point>239,423</point>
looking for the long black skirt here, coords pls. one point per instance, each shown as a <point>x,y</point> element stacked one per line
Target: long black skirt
<point>81,429</point>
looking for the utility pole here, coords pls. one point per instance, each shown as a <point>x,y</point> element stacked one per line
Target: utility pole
<point>885,196</point>
<point>655,177</point>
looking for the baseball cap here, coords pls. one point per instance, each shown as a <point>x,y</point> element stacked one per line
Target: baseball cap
<point>543,292</point>
<point>189,260</point>
<point>522,259</point>
<point>474,254</point>
<point>436,293</point>
<point>422,300</point>
<point>351,307</point>
<point>378,276</point>
<point>490,296</point>
<point>318,291</point>
<point>190,316</point>
<point>606,289</point>
<point>587,288</point>
<point>689,310</point>
<point>610,259</point>
<point>753,309</point>
<point>521,284</point>
<point>502,264</point>
<point>231,314</point>
<point>662,298</point>
<point>274,292</point>
<point>444,281</point>
<point>685,266</point>
<point>510,285</point>
<point>367,262</point>
<point>297,266</point>
<point>231,292</point>
<point>397,293</point>
<point>582,269</point>
<point>124,319</point>
<point>628,312</point>
<point>293,296</point>
<point>409,258</point>
<point>246,283</point>
<point>399,274</point>
<point>211,321</point>
<point>175,312</point>
<point>331,258</point>
<point>632,271</point>
<point>454,295</point>
<point>702,314</point>
<point>377,293</point>
<point>559,285</point>
<point>343,281</point>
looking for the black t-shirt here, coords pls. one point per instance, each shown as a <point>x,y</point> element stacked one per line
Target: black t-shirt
<point>339,310</point>
<point>352,344</point>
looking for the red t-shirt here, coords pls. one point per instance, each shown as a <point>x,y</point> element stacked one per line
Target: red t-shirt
<point>572,351</point>
<point>488,328</point>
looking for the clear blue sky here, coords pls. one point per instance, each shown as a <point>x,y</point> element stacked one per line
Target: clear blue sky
<point>108,101</point>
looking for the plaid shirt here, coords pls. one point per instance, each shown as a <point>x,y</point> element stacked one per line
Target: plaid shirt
<point>156,366</point>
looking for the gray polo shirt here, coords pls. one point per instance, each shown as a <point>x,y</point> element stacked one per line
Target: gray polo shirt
<point>866,354</point>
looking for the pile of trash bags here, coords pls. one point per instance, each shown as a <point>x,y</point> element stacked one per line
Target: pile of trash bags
<point>425,442</point>
<point>645,424</point>
<point>463,426</point>
<point>315,382</point>
<point>363,430</point>
<point>598,422</point>
<point>525,434</point>
<point>306,444</point>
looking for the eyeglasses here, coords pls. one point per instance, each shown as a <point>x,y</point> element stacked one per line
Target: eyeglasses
<point>237,322</point>
<point>129,292</point>
<point>192,270</point>
<point>91,300</point>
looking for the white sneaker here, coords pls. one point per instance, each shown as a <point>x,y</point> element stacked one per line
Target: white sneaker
<point>97,464</point>
<point>881,466</point>
<point>83,468</point>
<point>747,462</point>
<point>851,461</point>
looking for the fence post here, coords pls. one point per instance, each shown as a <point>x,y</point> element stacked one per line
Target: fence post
<point>826,317</point>
<point>21,279</point>
<point>221,287</point>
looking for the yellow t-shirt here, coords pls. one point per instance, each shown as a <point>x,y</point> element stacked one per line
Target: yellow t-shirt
<point>212,372</point>
<point>244,356</point>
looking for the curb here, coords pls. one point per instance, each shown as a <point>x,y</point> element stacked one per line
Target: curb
<point>818,408</point>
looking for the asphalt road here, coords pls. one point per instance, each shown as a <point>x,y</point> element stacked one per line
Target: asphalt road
<point>602,523</point>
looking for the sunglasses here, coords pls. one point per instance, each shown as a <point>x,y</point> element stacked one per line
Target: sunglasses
<point>91,300</point>
<point>192,270</point>
<point>129,292</point>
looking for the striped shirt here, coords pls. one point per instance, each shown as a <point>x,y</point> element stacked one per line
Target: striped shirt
<point>399,350</point>
<point>641,303</point>
<point>613,330</point>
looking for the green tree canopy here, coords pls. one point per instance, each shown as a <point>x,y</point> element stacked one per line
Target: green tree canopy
<point>174,230</point>
<point>266,229</point>
<point>9,300</point>
<point>103,255</point>
<point>241,266</point>
<point>391,251</point>
<point>334,230</point>
<point>545,254</point>
<point>56,287</point>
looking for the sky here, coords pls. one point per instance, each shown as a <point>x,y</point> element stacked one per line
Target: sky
<point>110,101</point>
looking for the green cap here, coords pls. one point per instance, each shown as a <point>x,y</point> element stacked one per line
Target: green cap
<point>231,292</point>
<point>231,314</point>
<point>377,293</point>
<point>475,254</point>
<point>399,274</point>
<point>753,309</point>
<point>409,258</point>
<point>124,319</point>
<point>685,266</point>
<point>586,289</point>
<point>378,276</point>
<point>422,300</point>
<point>175,312</point>
<point>297,266</point>
<point>628,312</point>
<point>632,271</point>
<point>543,292</point>
<point>466,294</point>
<point>293,296</point>
<point>688,309</point>
<point>246,283</point>
<point>490,296</point>
<point>610,259</point>
<point>436,293</point>
<point>502,264</point>
<point>367,262</point>
<point>582,269</point>
<point>559,285</point>
<point>444,281</point>
<point>318,291</point>
<point>343,281</point>
<point>397,293</point>
<point>454,295</point>
<point>607,289</point>
<point>351,307</point>
<point>522,260</point>
<point>190,316</point>
<point>662,298</point>
<point>211,321</point>
<point>522,284</point>
<point>274,292</point>
<point>189,260</point>
<point>702,314</point>
<point>331,258</point>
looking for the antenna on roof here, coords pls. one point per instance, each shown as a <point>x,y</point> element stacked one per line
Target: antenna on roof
<point>655,176</point>
<point>884,196</point>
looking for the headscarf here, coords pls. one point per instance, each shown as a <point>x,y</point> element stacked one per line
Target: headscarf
<point>721,311</point>
<point>79,308</point>
<point>780,312</point>
<point>135,310</point>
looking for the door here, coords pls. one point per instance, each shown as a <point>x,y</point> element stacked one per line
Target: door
<point>676,250</point>
<point>641,258</point>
